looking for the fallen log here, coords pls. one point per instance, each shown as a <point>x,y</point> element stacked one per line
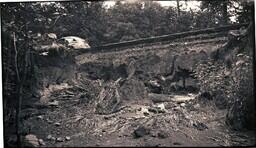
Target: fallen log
<point>160,38</point>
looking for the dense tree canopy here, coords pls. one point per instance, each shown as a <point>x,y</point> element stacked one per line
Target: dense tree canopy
<point>123,21</point>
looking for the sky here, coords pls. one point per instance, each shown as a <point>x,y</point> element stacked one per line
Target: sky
<point>194,5</point>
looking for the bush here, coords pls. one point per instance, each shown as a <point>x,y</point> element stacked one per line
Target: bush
<point>215,79</point>
<point>241,113</point>
<point>231,89</point>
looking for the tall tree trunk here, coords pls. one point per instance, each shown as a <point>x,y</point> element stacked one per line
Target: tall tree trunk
<point>7,72</point>
<point>225,12</point>
<point>178,7</point>
<point>18,92</point>
<point>20,85</point>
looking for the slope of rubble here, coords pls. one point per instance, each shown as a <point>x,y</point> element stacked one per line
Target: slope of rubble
<point>128,97</point>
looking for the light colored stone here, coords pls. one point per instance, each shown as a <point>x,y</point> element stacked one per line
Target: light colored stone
<point>41,142</point>
<point>76,42</point>
<point>182,104</point>
<point>54,103</point>
<point>49,137</point>
<point>31,140</point>
<point>57,123</point>
<point>52,35</point>
<point>67,138</point>
<point>183,98</point>
<point>59,139</point>
<point>240,55</point>
<point>177,108</point>
<point>161,106</point>
<point>226,73</point>
<point>40,117</point>
<point>240,62</point>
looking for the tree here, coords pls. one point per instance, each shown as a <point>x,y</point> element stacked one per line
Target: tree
<point>178,7</point>
<point>218,9</point>
<point>20,24</point>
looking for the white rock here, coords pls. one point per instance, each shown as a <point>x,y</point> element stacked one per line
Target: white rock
<point>182,104</point>
<point>76,42</point>
<point>144,110</point>
<point>190,94</point>
<point>162,78</point>
<point>161,106</point>
<point>52,35</point>
<point>177,108</point>
<point>154,83</point>
<point>67,138</point>
<point>57,123</point>
<point>240,55</point>
<point>49,137</point>
<point>32,140</point>
<point>41,142</point>
<point>40,117</point>
<point>44,53</point>
<point>54,103</point>
<point>239,62</point>
<point>227,73</point>
<point>59,139</point>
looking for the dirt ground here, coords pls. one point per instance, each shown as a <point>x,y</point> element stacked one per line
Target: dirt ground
<point>67,119</point>
<point>193,124</point>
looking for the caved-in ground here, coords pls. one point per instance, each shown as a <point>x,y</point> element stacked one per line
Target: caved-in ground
<point>195,124</point>
<point>108,104</point>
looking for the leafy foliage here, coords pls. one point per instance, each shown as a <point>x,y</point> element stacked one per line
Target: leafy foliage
<point>215,78</point>
<point>232,88</point>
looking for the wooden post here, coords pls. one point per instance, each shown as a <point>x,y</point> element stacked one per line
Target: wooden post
<point>184,82</point>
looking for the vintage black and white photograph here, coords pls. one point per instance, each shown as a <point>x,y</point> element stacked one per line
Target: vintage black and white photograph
<point>128,73</point>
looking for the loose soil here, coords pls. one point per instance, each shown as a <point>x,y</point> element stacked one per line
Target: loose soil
<point>184,120</point>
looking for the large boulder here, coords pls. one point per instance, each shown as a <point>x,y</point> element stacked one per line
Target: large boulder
<point>75,42</point>
<point>49,44</point>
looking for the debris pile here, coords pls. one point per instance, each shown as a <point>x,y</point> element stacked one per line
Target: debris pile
<point>115,94</point>
<point>142,96</point>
